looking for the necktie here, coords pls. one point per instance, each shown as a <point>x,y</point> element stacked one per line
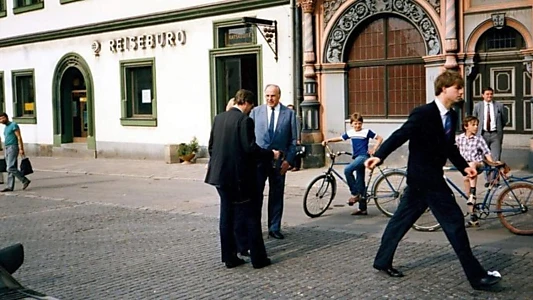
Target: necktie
<point>448,125</point>
<point>271,124</point>
<point>488,117</point>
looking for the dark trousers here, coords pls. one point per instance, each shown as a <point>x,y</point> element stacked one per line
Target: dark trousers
<point>444,207</point>
<point>297,161</point>
<point>232,216</point>
<point>276,192</point>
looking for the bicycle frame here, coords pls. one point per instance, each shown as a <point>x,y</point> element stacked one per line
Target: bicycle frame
<point>331,170</point>
<point>485,206</point>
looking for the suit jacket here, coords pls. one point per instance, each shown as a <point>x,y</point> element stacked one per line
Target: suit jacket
<point>234,153</point>
<point>501,116</point>
<point>285,133</point>
<point>428,147</point>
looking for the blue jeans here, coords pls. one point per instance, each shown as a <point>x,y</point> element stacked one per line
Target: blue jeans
<point>357,183</point>
<point>11,156</point>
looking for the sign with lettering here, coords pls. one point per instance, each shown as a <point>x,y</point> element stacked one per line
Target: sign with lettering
<point>238,36</point>
<point>145,41</point>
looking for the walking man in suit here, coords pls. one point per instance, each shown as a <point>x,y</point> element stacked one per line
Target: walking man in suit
<point>232,170</point>
<point>430,131</point>
<point>492,120</point>
<point>275,128</point>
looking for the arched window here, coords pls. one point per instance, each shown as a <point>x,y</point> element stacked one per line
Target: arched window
<point>503,39</point>
<point>387,77</point>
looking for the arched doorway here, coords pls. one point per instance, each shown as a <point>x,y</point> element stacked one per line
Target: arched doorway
<point>73,103</point>
<point>387,76</point>
<point>499,64</point>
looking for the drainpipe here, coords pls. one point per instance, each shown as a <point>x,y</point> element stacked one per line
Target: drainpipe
<point>297,54</point>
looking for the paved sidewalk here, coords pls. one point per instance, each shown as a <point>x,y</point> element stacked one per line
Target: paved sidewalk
<point>87,238</point>
<point>145,169</point>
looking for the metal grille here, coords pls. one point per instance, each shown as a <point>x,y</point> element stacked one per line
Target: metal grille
<point>501,39</point>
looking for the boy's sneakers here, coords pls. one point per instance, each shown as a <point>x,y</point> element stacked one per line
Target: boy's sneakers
<point>471,223</point>
<point>471,200</point>
<point>474,221</point>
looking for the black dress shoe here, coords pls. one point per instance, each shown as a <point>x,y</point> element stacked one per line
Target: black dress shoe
<point>262,263</point>
<point>6,190</point>
<point>392,272</point>
<point>276,235</point>
<point>486,282</point>
<point>245,253</point>
<point>234,263</point>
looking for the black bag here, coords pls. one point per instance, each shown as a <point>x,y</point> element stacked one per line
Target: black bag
<point>3,166</point>
<point>25,166</point>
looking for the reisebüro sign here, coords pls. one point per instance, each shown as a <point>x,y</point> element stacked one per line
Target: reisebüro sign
<point>143,42</point>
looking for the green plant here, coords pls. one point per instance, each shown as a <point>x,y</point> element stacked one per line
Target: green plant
<point>188,148</point>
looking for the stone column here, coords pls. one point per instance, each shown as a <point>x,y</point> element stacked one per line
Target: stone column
<point>311,136</point>
<point>450,45</point>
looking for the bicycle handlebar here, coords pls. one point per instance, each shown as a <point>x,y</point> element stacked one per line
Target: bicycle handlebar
<point>338,153</point>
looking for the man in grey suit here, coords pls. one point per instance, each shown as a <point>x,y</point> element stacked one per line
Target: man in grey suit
<point>275,129</point>
<point>492,120</point>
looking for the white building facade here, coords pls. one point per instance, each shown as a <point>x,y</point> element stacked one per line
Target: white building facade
<point>133,79</point>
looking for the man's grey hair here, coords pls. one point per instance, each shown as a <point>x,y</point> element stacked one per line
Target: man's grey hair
<point>274,85</point>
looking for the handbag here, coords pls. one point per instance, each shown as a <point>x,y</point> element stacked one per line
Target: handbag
<point>3,166</point>
<point>25,166</point>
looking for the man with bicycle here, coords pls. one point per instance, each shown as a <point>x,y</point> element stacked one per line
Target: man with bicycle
<point>430,132</point>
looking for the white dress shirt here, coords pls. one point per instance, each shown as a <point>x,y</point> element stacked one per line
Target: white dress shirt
<point>442,110</point>
<point>276,114</point>
<point>492,116</point>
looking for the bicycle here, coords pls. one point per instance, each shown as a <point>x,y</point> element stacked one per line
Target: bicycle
<point>515,195</point>
<point>386,187</point>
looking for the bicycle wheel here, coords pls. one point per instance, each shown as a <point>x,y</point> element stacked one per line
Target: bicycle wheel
<point>319,195</point>
<point>513,208</point>
<point>426,222</point>
<point>387,190</point>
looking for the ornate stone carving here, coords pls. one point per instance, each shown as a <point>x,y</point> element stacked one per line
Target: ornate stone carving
<point>435,4</point>
<point>330,8</point>
<point>308,6</point>
<point>469,66</point>
<point>364,9</point>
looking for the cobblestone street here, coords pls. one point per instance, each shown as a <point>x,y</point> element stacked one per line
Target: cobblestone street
<point>80,247</point>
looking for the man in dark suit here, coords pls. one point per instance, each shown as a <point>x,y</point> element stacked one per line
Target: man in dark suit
<point>232,170</point>
<point>275,128</point>
<point>430,131</point>
<point>492,120</point>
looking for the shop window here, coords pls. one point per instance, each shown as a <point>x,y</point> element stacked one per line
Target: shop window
<point>24,110</point>
<point>387,76</point>
<point>138,93</point>
<point>21,6</point>
<point>3,10</point>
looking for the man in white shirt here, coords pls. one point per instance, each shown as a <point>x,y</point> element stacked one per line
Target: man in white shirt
<point>492,119</point>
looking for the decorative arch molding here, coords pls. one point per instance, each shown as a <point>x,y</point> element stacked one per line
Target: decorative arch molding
<point>70,60</point>
<point>487,24</point>
<point>359,11</point>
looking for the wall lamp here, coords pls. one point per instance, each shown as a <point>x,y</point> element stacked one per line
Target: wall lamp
<point>269,31</point>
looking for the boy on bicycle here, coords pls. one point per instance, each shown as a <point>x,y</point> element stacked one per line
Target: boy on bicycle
<point>474,149</point>
<point>359,138</point>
